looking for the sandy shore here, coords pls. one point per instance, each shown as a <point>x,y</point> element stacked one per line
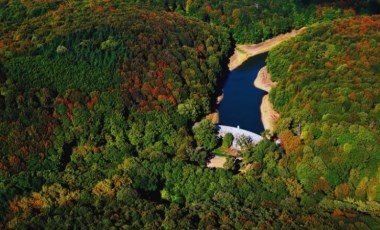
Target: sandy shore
<point>214,117</point>
<point>263,80</point>
<point>268,115</point>
<point>219,99</point>
<point>243,52</point>
<point>217,162</point>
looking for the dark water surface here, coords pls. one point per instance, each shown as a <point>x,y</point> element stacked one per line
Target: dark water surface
<point>241,102</point>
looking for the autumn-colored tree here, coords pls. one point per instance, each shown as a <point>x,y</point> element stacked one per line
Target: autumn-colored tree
<point>294,187</point>
<point>322,185</point>
<point>290,142</point>
<point>342,191</point>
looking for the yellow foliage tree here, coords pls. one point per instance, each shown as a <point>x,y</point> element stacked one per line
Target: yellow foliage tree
<point>119,181</point>
<point>37,201</point>
<point>294,187</point>
<point>373,192</point>
<point>103,188</point>
<point>361,189</point>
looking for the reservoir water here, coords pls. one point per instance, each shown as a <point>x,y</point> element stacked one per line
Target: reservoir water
<point>241,102</point>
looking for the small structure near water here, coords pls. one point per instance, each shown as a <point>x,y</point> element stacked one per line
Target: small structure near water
<point>238,133</point>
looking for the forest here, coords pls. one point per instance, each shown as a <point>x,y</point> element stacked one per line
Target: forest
<point>328,94</point>
<point>99,99</point>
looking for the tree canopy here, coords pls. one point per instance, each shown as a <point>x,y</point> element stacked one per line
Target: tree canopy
<point>102,106</point>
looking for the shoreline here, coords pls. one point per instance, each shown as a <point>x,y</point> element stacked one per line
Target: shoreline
<point>243,52</point>
<point>214,116</point>
<point>219,99</point>
<point>269,116</point>
<point>263,80</point>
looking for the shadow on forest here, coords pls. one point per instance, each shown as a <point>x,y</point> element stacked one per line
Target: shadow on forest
<point>67,151</point>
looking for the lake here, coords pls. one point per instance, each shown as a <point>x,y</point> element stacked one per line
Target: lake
<point>241,102</point>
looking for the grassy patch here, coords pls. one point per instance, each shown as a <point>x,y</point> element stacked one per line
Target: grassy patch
<point>220,152</point>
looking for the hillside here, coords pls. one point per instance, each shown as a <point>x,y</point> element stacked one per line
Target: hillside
<point>253,22</point>
<point>248,22</point>
<point>79,96</point>
<point>328,95</point>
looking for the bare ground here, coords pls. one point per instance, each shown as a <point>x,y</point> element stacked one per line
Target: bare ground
<point>217,162</point>
<point>268,115</point>
<point>213,117</point>
<point>263,80</point>
<point>243,52</point>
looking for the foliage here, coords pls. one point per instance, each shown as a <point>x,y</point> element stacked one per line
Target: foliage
<point>79,98</point>
<point>98,102</point>
<point>327,83</point>
<point>205,134</point>
<point>228,140</point>
<point>259,20</point>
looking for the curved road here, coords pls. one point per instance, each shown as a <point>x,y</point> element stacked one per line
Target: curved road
<point>237,133</point>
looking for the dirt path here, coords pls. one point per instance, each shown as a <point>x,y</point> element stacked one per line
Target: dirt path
<point>217,162</point>
<point>243,52</point>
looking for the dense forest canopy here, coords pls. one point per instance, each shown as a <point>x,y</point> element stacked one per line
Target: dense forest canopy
<point>328,84</point>
<point>99,99</point>
<point>248,21</point>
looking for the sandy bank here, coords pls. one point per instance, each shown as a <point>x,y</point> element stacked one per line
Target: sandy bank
<point>268,115</point>
<point>243,52</point>
<point>263,80</point>
<point>219,99</point>
<point>214,117</point>
<point>217,162</point>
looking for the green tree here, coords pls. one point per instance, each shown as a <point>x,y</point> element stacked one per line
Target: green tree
<point>230,164</point>
<point>189,109</point>
<point>227,140</point>
<point>205,134</point>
